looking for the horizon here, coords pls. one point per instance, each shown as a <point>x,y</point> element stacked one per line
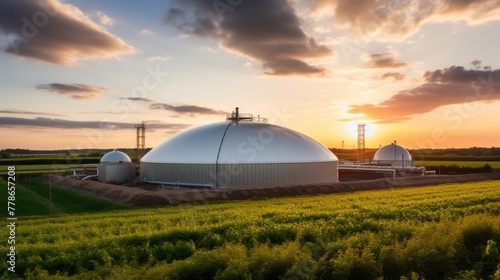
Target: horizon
<point>150,148</point>
<point>427,75</point>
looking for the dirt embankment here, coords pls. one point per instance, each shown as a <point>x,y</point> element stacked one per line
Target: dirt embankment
<point>143,198</point>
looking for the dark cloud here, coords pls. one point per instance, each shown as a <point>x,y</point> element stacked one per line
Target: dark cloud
<point>22,112</point>
<point>76,91</point>
<point>458,74</point>
<point>454,85</point>
<point>384,60</point>
<point>268,31</point>
<point>143,99</point>
<point>190,110</point>
<point>396,19</point>
<point>67,124</point>
<point>390,75</point>
<point>55,32</point>
<point>284,67</point>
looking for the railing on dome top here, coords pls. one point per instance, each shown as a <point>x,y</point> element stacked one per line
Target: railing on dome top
<point>245,116</point>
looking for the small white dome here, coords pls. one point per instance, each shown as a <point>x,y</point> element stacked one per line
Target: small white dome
<point>115,157</point>
<point>393,154</point>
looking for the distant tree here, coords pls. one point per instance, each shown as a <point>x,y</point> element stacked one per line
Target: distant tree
<point>487,168</point>
<point>487,153</point>
<point>4,154</point>
<point>94,154</point>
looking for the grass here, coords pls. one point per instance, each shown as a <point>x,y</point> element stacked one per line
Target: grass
<point>38,167</point>
<point>32,198</point>
<point>493,164</point>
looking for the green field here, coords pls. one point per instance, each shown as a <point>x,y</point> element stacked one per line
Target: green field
<point>437,232</point>
<point>32,198</point>
<point>493,164</point>
<point>40,167</point>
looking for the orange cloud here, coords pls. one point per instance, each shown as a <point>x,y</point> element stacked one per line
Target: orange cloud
<point>390,75</point>
<point>384,60</point>
<point>396,20</point>
<point>453,85</point>
<point>76,91</point>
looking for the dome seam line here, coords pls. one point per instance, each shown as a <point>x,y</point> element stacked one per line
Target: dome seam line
<point>218,154</point>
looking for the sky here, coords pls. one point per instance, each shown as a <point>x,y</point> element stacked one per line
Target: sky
<point>78,74</point>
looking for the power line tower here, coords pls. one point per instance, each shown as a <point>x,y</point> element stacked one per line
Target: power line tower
<point>141,141</point>
<point>361,142</point>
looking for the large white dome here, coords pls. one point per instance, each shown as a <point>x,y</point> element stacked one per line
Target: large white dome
<point>238,154</point>
<point>393,154</point>
<point>115,157</point>
<point>239,142</point>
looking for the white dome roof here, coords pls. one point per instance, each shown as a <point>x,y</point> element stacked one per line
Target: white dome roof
<point>115,157</point>
<point>392,152</point>
<point>239,142</point>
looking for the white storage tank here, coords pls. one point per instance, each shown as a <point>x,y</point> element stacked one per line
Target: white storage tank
<point>393,155</point>
<point>117,168</point>
<point>242,151</point>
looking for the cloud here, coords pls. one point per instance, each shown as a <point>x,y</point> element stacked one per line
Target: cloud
<point>118,112</point>
<point>453,85</point>
<point>159,58</point>
<point>390,75</point>
<point>67,124</point>
<point>396,20</point>
<point>458,74</point>
<point>143,99</point>
<point>56,32</point>
<point>190,110</point>
<point>76,91</point>
<point>267,31</point>
<point>384,60</point>
<point>146,32</point>
<point>22,112</point>
<point>104,19</point>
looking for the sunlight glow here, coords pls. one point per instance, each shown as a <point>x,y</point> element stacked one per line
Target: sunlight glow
<point>352,129</point>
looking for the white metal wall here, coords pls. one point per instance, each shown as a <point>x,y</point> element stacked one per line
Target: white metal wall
<point>118,172</point>
<point>241,175</point>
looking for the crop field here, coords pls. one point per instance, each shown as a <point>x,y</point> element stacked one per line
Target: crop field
<point>493,164</point>
<point>438,232</point>
<point>33,198</point>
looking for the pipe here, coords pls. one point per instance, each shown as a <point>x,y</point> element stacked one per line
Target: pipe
<point>194,185</point>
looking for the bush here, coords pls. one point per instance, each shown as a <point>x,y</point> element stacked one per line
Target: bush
<point>169,252</point>
<point>432,252</point>
<point>235,271</point>
<point>490,259</point>
<point>205,265</point>
<point>475,233</point>
<point>455,169</point>
<point>277,235</point>
<point>273,263</point>
<point>393,262</point>
<point>352,264</point>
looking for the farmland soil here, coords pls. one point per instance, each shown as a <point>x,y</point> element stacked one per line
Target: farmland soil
<point>133,196</point>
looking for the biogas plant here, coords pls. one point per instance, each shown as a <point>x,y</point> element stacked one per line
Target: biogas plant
<point>243,151</point>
